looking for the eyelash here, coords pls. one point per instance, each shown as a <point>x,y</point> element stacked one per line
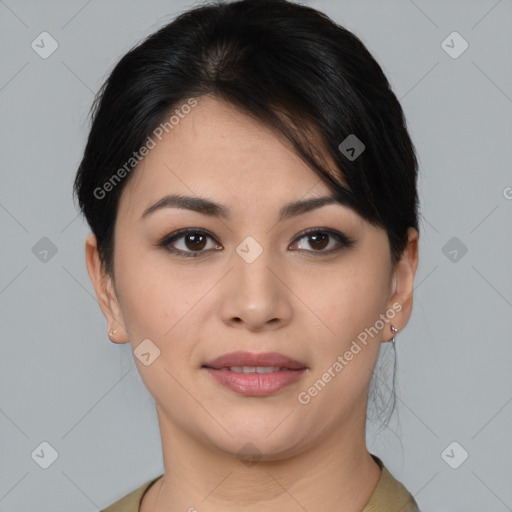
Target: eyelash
<point>341,238</point>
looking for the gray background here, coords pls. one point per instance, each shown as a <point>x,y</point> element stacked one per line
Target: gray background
<point>62,381</point>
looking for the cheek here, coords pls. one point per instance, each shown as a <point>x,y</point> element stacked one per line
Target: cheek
<point>348,300</point>
<point>154,295</point>
<point>345,300</point>
<point>160,306</point>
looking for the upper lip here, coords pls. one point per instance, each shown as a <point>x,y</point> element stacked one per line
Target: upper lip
<point>250,359</point>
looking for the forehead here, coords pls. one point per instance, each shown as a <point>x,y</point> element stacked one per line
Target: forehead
<point>217,150</point>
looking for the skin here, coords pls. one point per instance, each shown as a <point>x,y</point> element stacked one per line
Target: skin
<point>292,299</point>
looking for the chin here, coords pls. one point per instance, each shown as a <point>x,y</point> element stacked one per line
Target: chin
<point>263,442</point>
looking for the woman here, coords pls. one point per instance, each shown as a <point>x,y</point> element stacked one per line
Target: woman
<point>251,190</point>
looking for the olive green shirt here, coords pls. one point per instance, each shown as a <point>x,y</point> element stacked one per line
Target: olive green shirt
<point>389,496</point>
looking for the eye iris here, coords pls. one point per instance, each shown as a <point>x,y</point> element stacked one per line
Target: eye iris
<point>323,240</point>
<point>196,242</point>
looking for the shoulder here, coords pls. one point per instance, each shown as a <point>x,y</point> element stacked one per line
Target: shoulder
<point>131,502</point>
<point>390,494</point>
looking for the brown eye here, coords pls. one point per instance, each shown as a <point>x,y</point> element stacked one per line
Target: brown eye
<point>193,243</point>
<point>318,239</point>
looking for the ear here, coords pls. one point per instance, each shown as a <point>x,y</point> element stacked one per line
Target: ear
<point>105,291</point>
<point>403,282</point>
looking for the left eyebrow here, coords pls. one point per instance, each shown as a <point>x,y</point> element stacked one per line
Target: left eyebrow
<point>212,209</point>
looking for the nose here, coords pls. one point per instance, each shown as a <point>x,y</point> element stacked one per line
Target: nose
<point>255,295</point>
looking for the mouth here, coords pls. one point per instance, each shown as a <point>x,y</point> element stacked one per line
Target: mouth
<point>252,369</point>
<point>255,374</point>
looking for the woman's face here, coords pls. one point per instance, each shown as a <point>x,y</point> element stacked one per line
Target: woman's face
<point>249,281</point>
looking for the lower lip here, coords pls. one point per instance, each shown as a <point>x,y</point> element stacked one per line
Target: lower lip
<point>256,384</point>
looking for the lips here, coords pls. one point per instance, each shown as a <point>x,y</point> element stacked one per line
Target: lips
<point>256,375</point>
<point>248,359</point>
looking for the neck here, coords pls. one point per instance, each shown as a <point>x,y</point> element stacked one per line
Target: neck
<point>340,474</point>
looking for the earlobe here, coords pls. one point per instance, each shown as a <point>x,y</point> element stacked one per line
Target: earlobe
<point>105,292</point>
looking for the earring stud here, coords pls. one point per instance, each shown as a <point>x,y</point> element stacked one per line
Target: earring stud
<point>112,332</point>
<point>394,330</point>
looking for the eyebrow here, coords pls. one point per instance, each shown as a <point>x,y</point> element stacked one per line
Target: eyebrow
<point>212,209</point>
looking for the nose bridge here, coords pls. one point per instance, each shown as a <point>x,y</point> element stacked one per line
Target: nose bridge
<point>255,295</point>
<point>253,262</point>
